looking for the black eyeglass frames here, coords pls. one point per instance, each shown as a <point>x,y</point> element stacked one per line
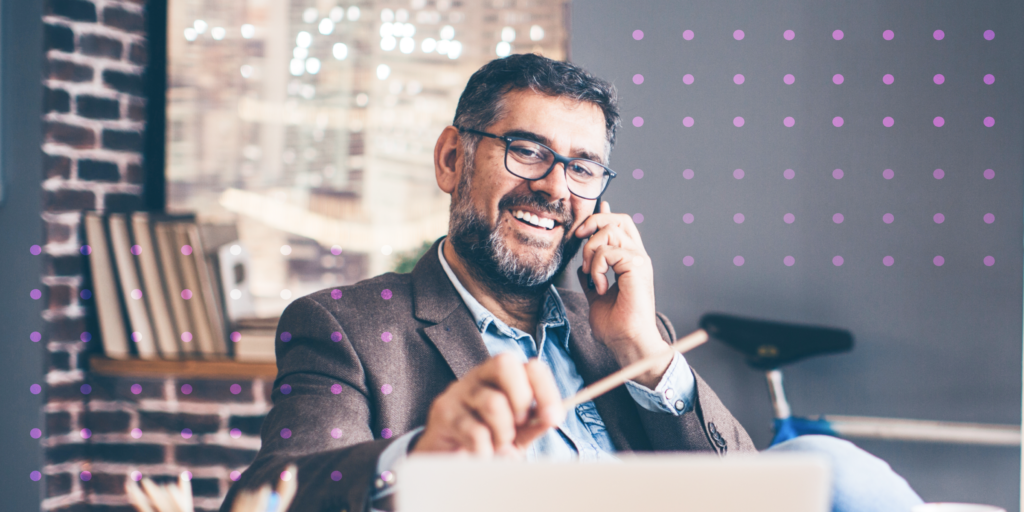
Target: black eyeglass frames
<point>531,160</point>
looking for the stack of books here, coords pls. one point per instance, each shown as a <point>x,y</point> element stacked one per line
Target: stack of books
<point>160,295</point>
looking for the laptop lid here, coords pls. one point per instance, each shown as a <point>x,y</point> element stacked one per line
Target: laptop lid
<point>650,482</point>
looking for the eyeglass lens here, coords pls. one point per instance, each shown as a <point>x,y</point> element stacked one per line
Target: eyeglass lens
<point>530,160</point>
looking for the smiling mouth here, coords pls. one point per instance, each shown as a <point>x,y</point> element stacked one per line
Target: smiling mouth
<point>533,220</point>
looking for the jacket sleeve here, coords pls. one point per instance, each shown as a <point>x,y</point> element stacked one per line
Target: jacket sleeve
<point>708,427</point>
<point>321,418</point>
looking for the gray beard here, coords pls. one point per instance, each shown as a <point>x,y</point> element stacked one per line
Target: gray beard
<point>487,255</point>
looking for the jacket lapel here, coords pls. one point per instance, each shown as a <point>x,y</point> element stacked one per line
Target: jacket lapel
<point>435,300</point>
<point>593,362</point>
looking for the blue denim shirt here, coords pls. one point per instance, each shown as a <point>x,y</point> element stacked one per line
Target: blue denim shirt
<point>582,435</point>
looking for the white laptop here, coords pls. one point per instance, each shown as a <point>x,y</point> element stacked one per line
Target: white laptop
<point>651,483</point>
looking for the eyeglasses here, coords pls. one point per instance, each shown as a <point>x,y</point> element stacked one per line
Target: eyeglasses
<point>531,160</point>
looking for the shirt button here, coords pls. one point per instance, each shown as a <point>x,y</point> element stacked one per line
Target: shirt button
<point>669,393</point>
<point>379,483</point>
<point>388,477</point>
<point>680,405</point>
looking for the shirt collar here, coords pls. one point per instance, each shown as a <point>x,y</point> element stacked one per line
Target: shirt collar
<point>553,316</point>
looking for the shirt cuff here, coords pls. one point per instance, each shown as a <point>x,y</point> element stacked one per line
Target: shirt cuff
<point>384,479</point>
<point>674,394</point>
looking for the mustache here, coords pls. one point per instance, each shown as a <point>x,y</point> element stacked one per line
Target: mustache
<point>557,210</point>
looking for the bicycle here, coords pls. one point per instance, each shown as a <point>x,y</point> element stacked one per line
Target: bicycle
<point>769,345</point>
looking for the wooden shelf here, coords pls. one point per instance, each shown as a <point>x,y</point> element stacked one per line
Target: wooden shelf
<point>227,368</point>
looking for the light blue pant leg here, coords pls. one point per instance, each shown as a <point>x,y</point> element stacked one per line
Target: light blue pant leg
<point>861,482</point>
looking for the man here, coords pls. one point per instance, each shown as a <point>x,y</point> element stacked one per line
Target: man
<point>473,351</point>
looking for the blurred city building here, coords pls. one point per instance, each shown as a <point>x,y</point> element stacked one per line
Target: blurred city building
<point>310,124</point>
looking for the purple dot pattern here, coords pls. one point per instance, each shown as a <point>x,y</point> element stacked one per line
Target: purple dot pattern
<point>35,250</point>
<point>286,389</point>
<point>837,121</point>
<point>186,389</point>
<point>789,174</point>
<point>35,476</point>
<point>235,389</point>
<point>837,35</point>
<point>86,337</point>
<point>85,389</point>
<point>335,336</point>
<point>638,174</point>
<point>989,174</point>
<point>939,218</point>
<point>738,121</point>
<point>688,35</point>
<point>738,218</point>
<point>85,250</point>
<point>336,389</point>
<point>336,476</point>
<point>35,294</point>
<point>186,337</point>
<point>386,433</point>
<point>888,174</point>
<point>888,218</point>
<point>186,250</point>
<point>789,79</point>
<point>638,34</point>
<point>789,218</point>
<point>888,261</point>
<point>789,261</point>
<point>939,261</point>
<point>336,433</point>
<point>738,79</point>
<point>638,79</point>
<point>638,218</point>
<point>688,261</point>
<point>286,433</point>
<point>286,336</point>
<point>788,35</point>
<point>838,218</point>
<point>137,433</point>
<point>837,174</point>
<point>386,337</point>
<point>85,476</point>
<point>35,433</point>
<point>235,433</point>
<point>35,389</point>
<point>688,122</point>
<point>186,433</point>
<point>938,174</point>
<point>638,121</point>
<point>236,337</point>
<point>837,261</point>
<point>888,35</point>
<point>989,122</point>
<point>888,122</point>
<point>989,261</point>
<point>989,79</point>
<point>838,79</point>
<point>788,122</point>
<point>989,35</point>
<point>738,261</point>
<point>939,35</point>
<point>35,336</point>
<point>939,121</point>
<point>386,389</point>
<point>335,294</point>
<point>688,79</point>
<point>888,79</point>
<point>688,174</point>
<point>136,389</point>
<point>738,174</point>
<point>186,294</point>
<point>688,218</point>
<point>939,79</point>
<point>85,294</point>
<point>738,35</point>
<point>989,218</point>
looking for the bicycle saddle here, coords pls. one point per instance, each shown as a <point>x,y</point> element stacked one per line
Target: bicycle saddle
<point>769,345</point>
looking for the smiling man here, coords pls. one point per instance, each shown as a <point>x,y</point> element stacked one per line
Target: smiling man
<point>474,350</point>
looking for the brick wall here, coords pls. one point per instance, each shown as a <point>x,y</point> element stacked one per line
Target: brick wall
<point>101,430</point>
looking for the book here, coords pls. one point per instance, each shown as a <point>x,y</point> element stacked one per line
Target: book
<point>202,335</point>
<point>104,286</point>
<point>233,265</point>
<point>208,285</point>
<point>135,299</point>
<point>148,260</point>
<point>255,345</point>
<point>173,282</point>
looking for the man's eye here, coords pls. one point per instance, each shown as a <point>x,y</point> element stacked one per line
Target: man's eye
<point>527,152</point>
<point>580,170</point>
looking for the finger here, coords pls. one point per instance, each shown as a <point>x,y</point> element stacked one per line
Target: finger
<point>611,234</point>
<point>505,373</point>
<point>607,257</point>
<point>473,435</point>
<point>491,407</point>
<point>549,411</point>
<point>587,283</point>
<point>606,207</point>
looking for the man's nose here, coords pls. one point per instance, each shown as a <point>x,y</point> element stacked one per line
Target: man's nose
<point>553,185</point>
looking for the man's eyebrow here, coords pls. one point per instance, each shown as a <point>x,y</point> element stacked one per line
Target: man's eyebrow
<point>536,137</point>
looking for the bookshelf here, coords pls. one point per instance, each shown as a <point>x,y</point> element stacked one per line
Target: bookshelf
<point>218,369</point>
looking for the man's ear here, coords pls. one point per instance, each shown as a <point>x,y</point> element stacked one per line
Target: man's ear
<point>446,156</point>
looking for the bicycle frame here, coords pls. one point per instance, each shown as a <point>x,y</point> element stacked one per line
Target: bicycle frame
<point>786,426</point>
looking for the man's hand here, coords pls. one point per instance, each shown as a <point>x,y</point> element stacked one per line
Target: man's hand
<point>487,411</point>
<point>622,316</point>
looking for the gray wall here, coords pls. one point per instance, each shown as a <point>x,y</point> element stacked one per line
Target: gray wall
<point>21,364</point>
<point>933,342</point>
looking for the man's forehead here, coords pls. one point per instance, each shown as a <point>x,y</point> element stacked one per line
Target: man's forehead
<point>553,118</point>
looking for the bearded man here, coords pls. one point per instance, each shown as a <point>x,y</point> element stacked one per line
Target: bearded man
<point>474,350</point>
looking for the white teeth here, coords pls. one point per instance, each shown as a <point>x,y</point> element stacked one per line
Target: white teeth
<point>534,219</point>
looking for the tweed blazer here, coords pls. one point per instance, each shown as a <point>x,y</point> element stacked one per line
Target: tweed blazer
<point>338,351</point>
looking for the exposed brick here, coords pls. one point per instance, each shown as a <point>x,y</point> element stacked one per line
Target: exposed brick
<point>56,100</point>
<point>71,135</point>
<point>66,452</point>
<point>100,46</point>
<point>122,203</point>
<point>106,421</point>
<point>58,423</point>
<point>124,20</point>
<point>70,392</point>
<point>59,38</point>
<point>97,108</point>
<point>134,174</point>
<point>65,329</point>
<point>98,171</point>
<point>175,422</point>
<point>68,71</point>
<point>212,455</point>
<point>121,140</point>
<point>138,53</point>
<point>75,507</point>
<point>120,388</point>
<point>68,265</point>
<point>56,166</point>
<point>206,487</point>
<point>217,391</point>
<point>137,111</point>
<point>58,485</point>
<point>105,483</point>
<point>59,360</point>
<point>78,10</point>
<point>124,82</point>
<point>59,295</point>
<point>64,200</point>
<point>249,425</point>
<point>57,232</point>
<point>135,453</point>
